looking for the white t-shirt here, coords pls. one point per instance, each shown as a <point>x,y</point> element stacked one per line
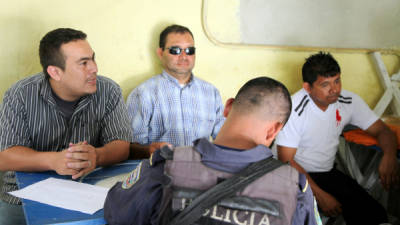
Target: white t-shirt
<point>315,133</point>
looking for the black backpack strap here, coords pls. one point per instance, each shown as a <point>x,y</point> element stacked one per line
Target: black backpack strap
<point>166,153</point>
<point>225,189</point>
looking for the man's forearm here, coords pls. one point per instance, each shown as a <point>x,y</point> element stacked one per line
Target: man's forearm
<point>138,151</point>
<point>111,153</point>
<point>388,142</point>
<point>314,187</point>
<point>20,158</point>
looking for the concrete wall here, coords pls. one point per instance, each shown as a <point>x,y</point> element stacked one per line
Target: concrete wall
<point>124,35</point>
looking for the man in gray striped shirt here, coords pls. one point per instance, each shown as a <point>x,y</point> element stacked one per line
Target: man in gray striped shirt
<point>66,118</point>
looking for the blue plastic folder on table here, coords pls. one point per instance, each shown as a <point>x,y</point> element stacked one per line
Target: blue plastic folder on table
<point>40,214</point>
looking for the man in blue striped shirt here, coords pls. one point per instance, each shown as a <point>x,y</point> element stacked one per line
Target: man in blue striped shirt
<point>66,118</point>
<point>175,106</point>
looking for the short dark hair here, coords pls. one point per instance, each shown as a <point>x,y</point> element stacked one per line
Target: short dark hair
<point>266,95</point>
<point>320,64</point>
<point>50,46</point>
<point>172,29</point>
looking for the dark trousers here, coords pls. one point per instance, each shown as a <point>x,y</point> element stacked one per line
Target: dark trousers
<point>357,205</point>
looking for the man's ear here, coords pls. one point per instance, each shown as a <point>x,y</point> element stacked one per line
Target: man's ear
<point>307,87</point>
<point>272,130</point>
<point>228,106</point>
<point>54,72</point>
<point>159,52</point>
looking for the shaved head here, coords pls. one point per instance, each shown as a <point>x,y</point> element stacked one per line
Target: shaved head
<point>265,98</point>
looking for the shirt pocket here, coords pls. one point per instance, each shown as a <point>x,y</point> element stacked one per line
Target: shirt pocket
<point>205,126</point>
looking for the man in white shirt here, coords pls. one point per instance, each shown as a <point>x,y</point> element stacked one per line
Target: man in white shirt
<point>310,139</point>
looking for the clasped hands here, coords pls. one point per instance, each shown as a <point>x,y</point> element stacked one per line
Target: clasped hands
<point>77,160</point>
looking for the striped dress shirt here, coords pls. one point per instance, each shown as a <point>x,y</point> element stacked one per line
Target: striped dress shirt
<point>30,117</point>
<point>163,111</point>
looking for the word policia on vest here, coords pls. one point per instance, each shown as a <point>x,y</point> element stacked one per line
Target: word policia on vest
<point>232,216</point>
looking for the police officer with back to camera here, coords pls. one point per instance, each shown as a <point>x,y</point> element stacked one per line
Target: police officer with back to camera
<point>161,188</point>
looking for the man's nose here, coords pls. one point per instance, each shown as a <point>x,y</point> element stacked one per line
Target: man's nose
<point>334,88</point>
<point>183,55</point>
<point>93,67</point>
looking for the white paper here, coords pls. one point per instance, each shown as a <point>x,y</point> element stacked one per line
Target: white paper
<point>66,194</point>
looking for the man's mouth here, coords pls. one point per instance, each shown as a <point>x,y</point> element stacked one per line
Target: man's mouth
<point>92,81</point>
<point>335,97</point>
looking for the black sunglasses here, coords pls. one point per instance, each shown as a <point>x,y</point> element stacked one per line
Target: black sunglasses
<point>175,50</point>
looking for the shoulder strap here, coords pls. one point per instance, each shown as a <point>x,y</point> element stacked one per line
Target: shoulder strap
<point>225,189</point>
<point>166,153</point>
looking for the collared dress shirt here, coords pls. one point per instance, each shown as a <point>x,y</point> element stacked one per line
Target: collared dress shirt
<point>30,117</point>
<point>164,111</point>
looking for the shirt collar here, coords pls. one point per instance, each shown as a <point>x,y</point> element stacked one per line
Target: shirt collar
<point>319,110</point>
<point>45,90</point>
<point>175,81</point>
<point>47,95</point>
<point>229,160</point>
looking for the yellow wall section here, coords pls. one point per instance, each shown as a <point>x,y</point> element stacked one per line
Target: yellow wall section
<point>124,35</point>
